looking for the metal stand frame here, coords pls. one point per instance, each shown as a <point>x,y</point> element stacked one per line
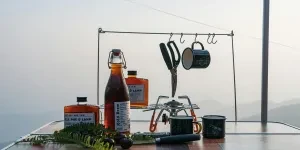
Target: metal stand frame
<point>100,31</point>
<point>265,62</point>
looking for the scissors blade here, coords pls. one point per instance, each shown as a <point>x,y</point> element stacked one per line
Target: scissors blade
<point>174,81</point>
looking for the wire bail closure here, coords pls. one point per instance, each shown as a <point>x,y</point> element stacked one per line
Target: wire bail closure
<point>110,56</point>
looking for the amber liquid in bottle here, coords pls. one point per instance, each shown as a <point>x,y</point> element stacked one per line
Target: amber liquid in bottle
<point>138,90</point>
<point>81,112</point>
<point>117,104</point>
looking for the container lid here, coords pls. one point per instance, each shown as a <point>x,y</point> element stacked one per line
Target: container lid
<point>131,72</point>
<point>214,117</point>
<point>81,99</point>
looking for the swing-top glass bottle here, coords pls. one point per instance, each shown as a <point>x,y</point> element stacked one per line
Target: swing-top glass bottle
<point>117,103</point>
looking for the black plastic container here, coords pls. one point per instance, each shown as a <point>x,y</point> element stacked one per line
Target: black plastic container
<point>213,126</point>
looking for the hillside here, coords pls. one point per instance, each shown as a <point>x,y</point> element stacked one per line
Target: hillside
<point>288,114</point>
<point>244,110</point>
<point>288,102</point>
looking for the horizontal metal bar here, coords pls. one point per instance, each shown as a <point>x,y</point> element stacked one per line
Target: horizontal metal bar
<point>163,33</point>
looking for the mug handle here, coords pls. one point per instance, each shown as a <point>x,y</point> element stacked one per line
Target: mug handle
<point>197,43</point>
<point>199,127</point>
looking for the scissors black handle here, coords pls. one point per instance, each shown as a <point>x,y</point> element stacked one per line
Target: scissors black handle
<point>166,56</point>
<point>175,62</point>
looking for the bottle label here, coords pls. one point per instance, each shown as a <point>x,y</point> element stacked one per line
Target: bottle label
<point>76,118</point>
<point>122,119</point>
<point>136,93</point>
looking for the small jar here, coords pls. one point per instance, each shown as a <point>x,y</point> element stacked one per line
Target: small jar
<point>81,113</point>
<point>138,89</point>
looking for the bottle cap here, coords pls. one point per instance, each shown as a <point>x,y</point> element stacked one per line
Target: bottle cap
<point>132,72</point>
<point>81,99</point>
<point>116,52</point>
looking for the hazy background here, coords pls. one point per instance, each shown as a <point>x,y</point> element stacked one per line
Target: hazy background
<point>48,56</point>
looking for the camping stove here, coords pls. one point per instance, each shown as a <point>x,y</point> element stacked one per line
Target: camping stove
<point>173,107</point>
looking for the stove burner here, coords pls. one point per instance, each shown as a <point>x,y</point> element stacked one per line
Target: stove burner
<point>173,103</point>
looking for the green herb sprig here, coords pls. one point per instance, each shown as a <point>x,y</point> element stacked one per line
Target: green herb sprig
<point>87,135</point>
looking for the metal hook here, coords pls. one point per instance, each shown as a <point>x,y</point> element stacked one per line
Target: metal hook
<point>208,38</point>
<point>170,36</point>
<point>196,36</point>
<point>211,39</point>
<point>181,38</point>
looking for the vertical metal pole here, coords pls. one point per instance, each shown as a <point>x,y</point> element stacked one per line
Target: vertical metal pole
<point>265,59</point>
<point>98,68</point>
<point>233,65</point>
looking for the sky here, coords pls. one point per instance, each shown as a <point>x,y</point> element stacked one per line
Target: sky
<point>48,50</point>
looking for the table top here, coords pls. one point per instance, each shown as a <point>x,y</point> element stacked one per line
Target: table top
<point>250,127</point>
<point>239,135</point>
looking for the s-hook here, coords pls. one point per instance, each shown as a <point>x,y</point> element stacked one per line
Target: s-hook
<point>212,40</point>
<point>171,34</point>
<point>196,37</point>
<point>181,38</point>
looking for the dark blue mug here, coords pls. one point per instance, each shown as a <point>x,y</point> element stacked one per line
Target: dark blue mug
<point>195,58</point>
<point>183,125</point>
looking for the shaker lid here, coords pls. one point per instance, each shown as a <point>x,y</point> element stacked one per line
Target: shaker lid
<point>131,72</point>
<point>81,99</point>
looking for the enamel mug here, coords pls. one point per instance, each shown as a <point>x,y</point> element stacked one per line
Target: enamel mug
<point>195,58</point>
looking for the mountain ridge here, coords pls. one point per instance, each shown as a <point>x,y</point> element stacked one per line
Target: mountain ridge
<point>286,114</point>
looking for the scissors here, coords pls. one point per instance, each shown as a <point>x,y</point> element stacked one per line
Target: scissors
<point>172,65</point>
